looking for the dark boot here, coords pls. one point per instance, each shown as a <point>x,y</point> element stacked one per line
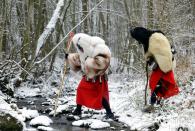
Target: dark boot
<point>149,109</point>
<point>109,114</point>
<point>77,111</point>
<point>153,98</point>
<point>76,114</point>
<point>159,102</point>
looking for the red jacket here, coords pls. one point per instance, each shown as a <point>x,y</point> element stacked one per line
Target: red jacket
<point>169,86</point>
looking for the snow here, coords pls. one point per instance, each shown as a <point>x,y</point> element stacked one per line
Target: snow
<point>2,96</point>
<point>177,111</point>
<point>179,121</point>
<point>55,15</point>
<point>26,91</point>
<point>41,120</point>
<point>99,125</point>
<point>4,105</point>
<point>29,114</point>
<point>127,102</point>
<point>6,108</point>
<point>30,129</point>
<point>92,123</point>
<point>43,128</point>
<point>60,109</point>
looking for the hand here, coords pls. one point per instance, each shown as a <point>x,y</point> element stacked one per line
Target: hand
<point>150,60</point>
<point>154,66</point>
<point>173,50</point>
<point>66,55</point>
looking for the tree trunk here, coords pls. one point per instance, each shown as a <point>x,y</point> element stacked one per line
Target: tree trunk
<point>85,11</point>
<point>3,43</point>
<point>150,14</point>
<point>50,27</point>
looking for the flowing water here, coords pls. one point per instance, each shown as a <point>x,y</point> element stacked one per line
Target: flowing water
<point>60,123</point>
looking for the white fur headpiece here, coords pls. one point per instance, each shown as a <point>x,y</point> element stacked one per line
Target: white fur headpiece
<point>89,45</point>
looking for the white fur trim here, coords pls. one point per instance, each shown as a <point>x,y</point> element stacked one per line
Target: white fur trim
<point>160,48</point>
<point>101,49</point>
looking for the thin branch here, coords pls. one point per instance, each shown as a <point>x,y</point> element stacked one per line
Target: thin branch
<point>69,33</point>
<point>103,11</point>
<point>22,68</point>
<point>69,3</point>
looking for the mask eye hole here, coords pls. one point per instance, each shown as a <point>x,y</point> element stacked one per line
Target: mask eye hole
<point>80,48</point>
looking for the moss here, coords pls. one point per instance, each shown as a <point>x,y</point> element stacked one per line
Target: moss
<point>9,123</point>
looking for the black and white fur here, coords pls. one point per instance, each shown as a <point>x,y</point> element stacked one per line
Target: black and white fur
<point>155,45</point>
<point>92,57</point>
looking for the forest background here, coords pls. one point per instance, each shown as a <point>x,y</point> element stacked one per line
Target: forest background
<point>23,44</point>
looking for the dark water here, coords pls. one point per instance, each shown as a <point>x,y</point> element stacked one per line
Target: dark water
<point>60,123</point>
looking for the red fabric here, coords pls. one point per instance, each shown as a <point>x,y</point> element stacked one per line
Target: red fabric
<point>90,93</point>
<point>169,86</point>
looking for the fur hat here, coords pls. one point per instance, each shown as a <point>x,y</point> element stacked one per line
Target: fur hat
<point>89,46</point>
<point>93,53</point>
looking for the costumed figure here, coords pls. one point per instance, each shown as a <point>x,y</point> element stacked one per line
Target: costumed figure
<point>93,59</point>
<point>158,50</point>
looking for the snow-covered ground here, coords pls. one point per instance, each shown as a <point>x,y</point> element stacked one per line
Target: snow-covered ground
<point>178,111</point>
<point>127,100</point>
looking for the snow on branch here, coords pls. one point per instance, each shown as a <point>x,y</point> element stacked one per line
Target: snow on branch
<point>70,32</point>
<point>50,26</point>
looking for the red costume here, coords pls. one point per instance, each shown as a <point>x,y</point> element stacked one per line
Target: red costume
<point>93,58</point>
<point>169,87</point>
<point>90,93</point>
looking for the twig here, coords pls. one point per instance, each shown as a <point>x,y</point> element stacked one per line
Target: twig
<point>63,75</point>
<point>22,68</point>
<point>22,48</point>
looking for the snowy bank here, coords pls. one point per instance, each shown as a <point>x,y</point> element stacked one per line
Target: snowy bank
<point>176,112</point>
<point>9,115</point>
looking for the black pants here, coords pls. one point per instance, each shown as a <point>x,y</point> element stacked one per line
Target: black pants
<point>153,98</point>
<point>105,104</point>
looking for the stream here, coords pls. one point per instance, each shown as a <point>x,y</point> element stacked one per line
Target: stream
<point>60,123</point>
